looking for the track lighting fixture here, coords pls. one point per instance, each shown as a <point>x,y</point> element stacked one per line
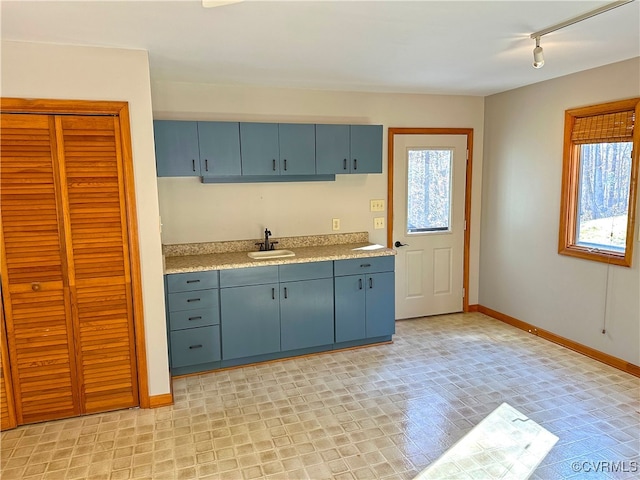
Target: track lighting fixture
<point>538,57</point>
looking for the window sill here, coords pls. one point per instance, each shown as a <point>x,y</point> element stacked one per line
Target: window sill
<point>603,256</point>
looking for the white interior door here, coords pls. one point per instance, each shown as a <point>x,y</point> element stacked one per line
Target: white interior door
<point>428,218</point>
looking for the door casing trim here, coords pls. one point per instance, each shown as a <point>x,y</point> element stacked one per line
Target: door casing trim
<point>468,132</point>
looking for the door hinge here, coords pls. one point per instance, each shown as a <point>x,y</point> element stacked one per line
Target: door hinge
<point>465,225</point>
<point>467,154</point>
<point>464,292</point>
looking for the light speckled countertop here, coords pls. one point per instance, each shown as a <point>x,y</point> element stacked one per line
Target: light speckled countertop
<point>319,253</point>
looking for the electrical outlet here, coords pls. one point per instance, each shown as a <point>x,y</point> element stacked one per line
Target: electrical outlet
<point>378,222</point>
<point>377,206</point>
<point>336,224</point>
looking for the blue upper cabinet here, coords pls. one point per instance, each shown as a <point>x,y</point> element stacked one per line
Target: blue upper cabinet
<point>332,149</point>
<point>219,148</point>
<point>177,151</point>
<point>366,148</point>
<point>260,149</point>
<point>297,149</point>
<point>229,152</point>
<point>348,149</point>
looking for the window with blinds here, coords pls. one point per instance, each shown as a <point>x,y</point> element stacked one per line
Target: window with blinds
<point>599,182</point>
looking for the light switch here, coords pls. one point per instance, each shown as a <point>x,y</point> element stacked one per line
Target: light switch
<point>377,206</point>
<point>378,222</point>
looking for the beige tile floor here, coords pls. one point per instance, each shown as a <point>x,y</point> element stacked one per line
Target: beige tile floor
<point>380,412</point>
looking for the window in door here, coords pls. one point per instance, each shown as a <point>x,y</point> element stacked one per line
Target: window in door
<point>429,190</point>
<point>599,182</point>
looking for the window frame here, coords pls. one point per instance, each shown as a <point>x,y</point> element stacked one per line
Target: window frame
<point>567,244</point>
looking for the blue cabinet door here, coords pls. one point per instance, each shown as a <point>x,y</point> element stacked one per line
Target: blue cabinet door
<point>260,149</point>
<point>297,149</point>
<point>306,313</point>
<point>380,304</point>
<point>250,320</point>
<point>332,149</point>
<point>219,148</point>
<point>366,148</point>
<point>350,308</point>
<point>177,151</point>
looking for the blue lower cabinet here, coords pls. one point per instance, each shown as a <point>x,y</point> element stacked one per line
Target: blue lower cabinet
<point>195,346</point>
<point>193,321</point>
<point>250,318</point>
<point>365,303</point>
<point>350,308</point>
<point>380,304</point>
<point>277,311</point>
<point>306,314</point>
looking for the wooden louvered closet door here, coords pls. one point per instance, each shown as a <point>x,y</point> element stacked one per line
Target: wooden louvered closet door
<point>99,271</point>
<point>68,306</point>
<point>37,303</point>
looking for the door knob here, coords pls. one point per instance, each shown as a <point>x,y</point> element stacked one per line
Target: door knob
<point>399,244</point>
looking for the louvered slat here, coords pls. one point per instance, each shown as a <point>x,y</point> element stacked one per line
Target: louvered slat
<point>100,276</point>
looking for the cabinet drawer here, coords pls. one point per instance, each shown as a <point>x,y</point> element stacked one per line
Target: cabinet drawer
<point>196,300</point>
<point>194,318</point>
<point>186,282</point>
<point>357,266</point>
<point>195,346</point>
<point>248,276</point>
<point>306,271</point>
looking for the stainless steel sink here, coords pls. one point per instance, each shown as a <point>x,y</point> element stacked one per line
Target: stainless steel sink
<point>269,254</point>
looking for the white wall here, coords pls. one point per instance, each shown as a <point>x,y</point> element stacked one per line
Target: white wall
<point>193,212</point>
<point>521,273</point>
<point>31,70</point>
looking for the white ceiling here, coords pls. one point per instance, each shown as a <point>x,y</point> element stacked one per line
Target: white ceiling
<point>443,47</point>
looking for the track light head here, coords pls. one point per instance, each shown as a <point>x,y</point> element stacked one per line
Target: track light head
<point>538,57</point>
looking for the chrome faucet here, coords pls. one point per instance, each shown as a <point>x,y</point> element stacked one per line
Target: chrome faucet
<point>266,245</point>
